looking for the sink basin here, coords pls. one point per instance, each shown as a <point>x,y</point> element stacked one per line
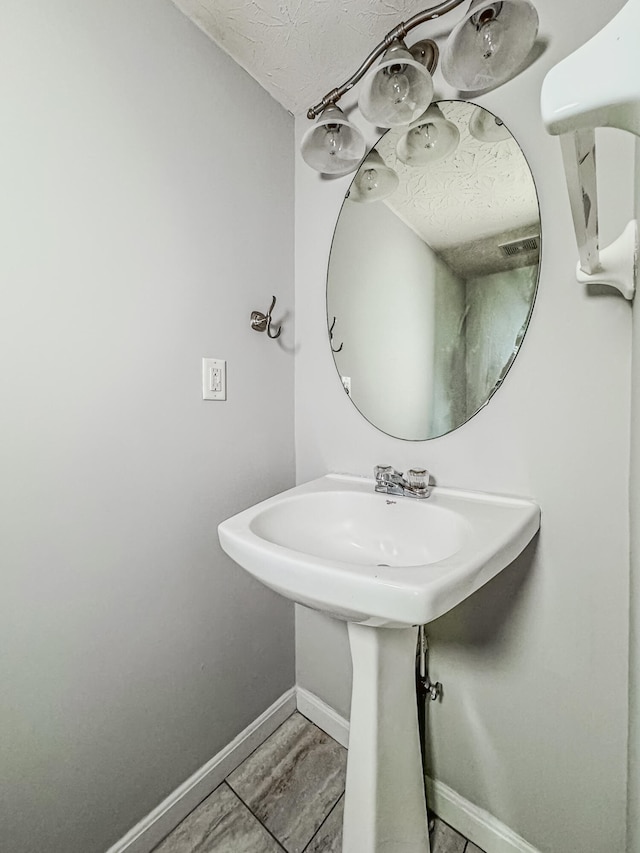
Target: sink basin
<point>336,545</point>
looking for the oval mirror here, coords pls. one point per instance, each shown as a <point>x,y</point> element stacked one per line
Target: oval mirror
<point>433,271</point>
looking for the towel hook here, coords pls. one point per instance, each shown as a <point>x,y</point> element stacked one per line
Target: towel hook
<point>261,322</point>
<point>333,349</point>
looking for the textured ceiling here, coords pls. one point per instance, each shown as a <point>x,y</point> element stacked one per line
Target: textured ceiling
<point>298,50</point>
<point>481,190</point>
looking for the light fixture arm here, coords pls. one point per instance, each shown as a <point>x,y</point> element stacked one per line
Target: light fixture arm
<point>397,33</point>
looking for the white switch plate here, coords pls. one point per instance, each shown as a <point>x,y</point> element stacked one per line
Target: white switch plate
<point>214,379</point>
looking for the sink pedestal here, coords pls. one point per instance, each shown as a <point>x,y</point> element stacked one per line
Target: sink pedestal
<point>385,809</point>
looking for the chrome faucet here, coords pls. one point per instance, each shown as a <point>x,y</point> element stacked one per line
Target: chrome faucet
<point>392,482</point>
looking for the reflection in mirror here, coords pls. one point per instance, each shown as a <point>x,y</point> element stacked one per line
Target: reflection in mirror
<point>431,287</point>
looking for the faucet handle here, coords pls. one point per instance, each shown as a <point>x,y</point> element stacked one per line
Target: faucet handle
<point>381,470</point>
<point>382,474</point>
<point>418,479</point>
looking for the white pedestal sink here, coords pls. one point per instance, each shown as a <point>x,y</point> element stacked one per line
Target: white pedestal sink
<point>385,565</point>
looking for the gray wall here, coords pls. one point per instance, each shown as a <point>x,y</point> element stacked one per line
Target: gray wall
<point>523,731</point>
<point>139,227</point>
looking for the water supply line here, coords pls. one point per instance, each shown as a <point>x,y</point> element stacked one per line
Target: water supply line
<point>425,688</point>
<point>431,690</point>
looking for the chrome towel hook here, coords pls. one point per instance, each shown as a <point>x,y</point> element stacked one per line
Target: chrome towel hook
<point>331,338</point>
<point>261,322</point>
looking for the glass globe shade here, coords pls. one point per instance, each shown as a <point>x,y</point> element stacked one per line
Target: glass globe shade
<point>374,181</point>
<point>432,137</point>
<point>490,44</point>
<point>397,90</point>
<point>333,146</point>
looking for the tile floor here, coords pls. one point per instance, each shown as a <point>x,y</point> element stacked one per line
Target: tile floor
<point>287,797</point>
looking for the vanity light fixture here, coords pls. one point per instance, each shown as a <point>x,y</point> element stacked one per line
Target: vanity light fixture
<point>374,180</point>
<point>485,127</point>
<point>432,137</point>
<point>333,145</point>
<point>484,50</point>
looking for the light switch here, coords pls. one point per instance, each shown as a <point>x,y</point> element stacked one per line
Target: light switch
<point>214,379</point>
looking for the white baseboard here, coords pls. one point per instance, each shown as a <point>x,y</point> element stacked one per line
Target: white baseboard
<point>475,823</point>
<point>150,831</point>
<point>323,716</point>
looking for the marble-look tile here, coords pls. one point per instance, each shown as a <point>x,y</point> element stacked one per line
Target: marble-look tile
<point>444,839</point>
<point>471,848</point>
<point>328,839</point>
<point>220,824</point>
<point>292,781</point>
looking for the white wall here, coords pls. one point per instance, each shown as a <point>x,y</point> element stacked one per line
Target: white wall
<point>384,304</point>
<point>533,724</point>
<point>140,227</point>
<point>633,791</point>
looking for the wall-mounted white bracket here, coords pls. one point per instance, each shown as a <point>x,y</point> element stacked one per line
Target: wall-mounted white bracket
<point>618,263</point>
<point>597,86</point>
